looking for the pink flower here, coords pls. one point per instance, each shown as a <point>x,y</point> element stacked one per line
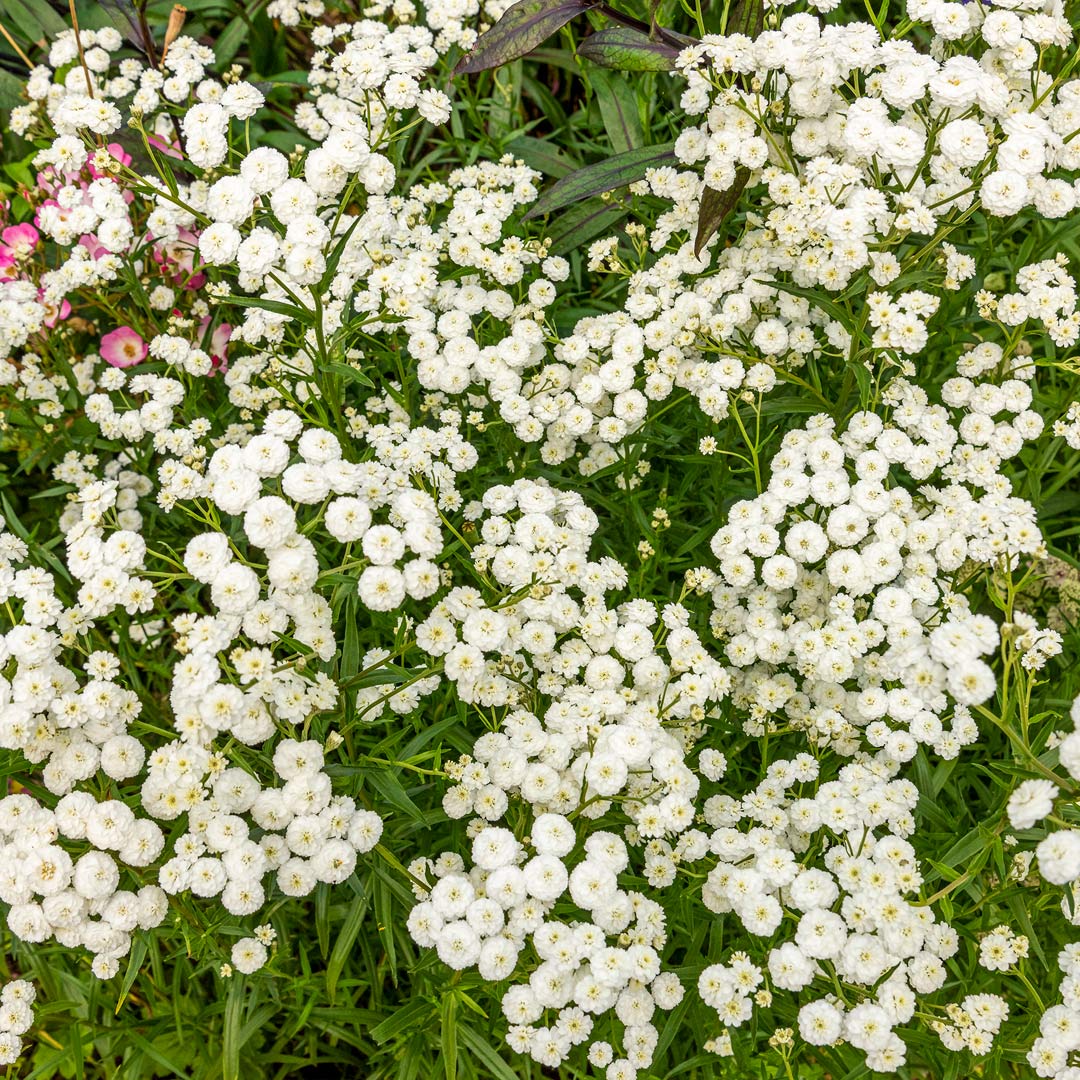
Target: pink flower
<point>93,245</point>
<point>163,147</point>
<point>55,314</point>
<point>48,181</point>
<point>123,348</point>
<point>179,255</point>
<point>62,212</point>
<point>19,241</point>
<point>116,151</point>
<point>218,342</point>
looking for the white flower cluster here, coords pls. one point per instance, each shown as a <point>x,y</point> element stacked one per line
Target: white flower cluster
<point>73,728</point>
<point>1045,293</point>
<point>617,721</point>
<point>80,901</point>
<point>308,835</point>
<point>431,268</point>
<point>77,731</point>
<point>375,72</point>
<point>59,92</point>
<point>901,154</point>
<point>854,185</point>
<point>838,572</point>
<point>16,1018</point>
<point>856,912</point>
<point>305,833</point>
<point>973,1023</point>
<point>453,22</point>
<point>839,594</point>
<point>1059,1026</point>
<point>1068,427</point>
<point>835,595</point>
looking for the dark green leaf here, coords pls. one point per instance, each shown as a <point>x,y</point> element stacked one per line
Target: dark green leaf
<point>322,917</point>
<point>542,155</point>
<point>480,1047</point>
<point>125,17</point>
<point>745,17</point>
<point>35,18</point>
<point>615,172</point>
<point>276,306</point>
<point>449,1035</point>
<point>414,1015</point>
<point>347,372</point>
<point>135,961</point>
<point>627,49</point>
<point>232,37</point>
<point>11,89</point>
<point>234,1011</point>
<point>580,224</point>
<point>716,208</point>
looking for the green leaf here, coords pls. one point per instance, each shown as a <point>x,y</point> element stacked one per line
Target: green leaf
<point>448,1035</point>
<point>125,17</point>
<point>335,255</point>
<point>231,38</point>
<point>11,90</point>
<point>413,1016</point>
<point>135,961</point>
<point>347,935</point>
<point>384,917</point>
<point>830,308</point>
<point>234,1010</point>
<point>35,18</point>
<point>619,111</point>
<point>521,28</point>
<point>627,49</point>
<point>152,1050</point>
<point>615,172</point>
<point>542,155</point>
<point>579,225</point>
<point>716,207</point>
<point>276,306</point>
<point>481,1049</point>
<point>745,17</point>
<point>347,372</point>
<point>389,786</point>
<point>322,917</point>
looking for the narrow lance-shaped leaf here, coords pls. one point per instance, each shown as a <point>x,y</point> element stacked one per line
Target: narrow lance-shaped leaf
<point>615,172</point>
<point>542,155</point>
<point>627,49</point>
<point>581,223</point>
<point>523,27</point>
<point>716,206</point>
<point>745,17</point>
<point>124,15</point>
<point>619,111</point>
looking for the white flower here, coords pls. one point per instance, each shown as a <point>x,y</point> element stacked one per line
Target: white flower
<point>1031,802</point>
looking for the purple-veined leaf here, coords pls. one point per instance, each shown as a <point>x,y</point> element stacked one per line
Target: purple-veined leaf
<point>617,171</point>
<point>627,49</point>
<point>523,26</point>
<point>716,207</point>
<point>124,15</point>
<point>581,223</point>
